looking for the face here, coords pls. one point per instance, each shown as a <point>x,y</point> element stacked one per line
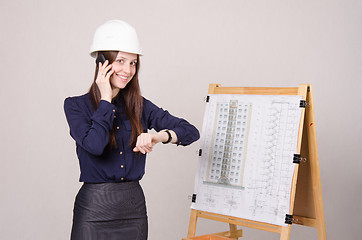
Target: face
<point>124,67</point>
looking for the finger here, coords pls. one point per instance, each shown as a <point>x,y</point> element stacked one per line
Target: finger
<point>147,149</point>
<point>101,67</point>
<point>150,141</point>
<point>104,65</point>
<point>146,142</point>
<point>109,74</point>
<point>150,149</point>
<point>101,76</point>
<point>104,72</point>
<point>139,149</point>
<point>107,68</point>
<point>147,146</point>
<point>139,144</point>
<point>143,140</point>
<point>142,150</point>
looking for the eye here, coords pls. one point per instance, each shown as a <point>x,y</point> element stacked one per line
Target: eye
<point>120,60</point>
<point>134,63</point>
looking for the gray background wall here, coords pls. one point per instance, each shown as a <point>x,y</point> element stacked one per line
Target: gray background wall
<point>187,45</point>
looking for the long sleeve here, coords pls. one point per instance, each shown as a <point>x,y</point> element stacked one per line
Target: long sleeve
<point>89,129</point>
<point>160,119</point>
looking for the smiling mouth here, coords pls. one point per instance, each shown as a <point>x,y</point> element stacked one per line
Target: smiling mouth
<point>125,78</point>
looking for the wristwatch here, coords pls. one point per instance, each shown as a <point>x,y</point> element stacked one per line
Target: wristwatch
<point>169,137</point>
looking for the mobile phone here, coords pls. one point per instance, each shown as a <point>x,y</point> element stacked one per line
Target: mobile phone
<point>101,59</point>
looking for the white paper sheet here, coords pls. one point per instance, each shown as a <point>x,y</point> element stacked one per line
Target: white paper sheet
<point>246,167</point>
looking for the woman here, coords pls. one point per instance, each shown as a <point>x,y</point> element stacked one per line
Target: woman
<point>109,125</point>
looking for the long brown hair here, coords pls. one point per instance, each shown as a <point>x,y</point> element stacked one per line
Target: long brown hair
<point>130,96</point>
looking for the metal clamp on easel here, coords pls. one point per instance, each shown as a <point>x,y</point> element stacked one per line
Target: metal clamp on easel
<point>297,159</point>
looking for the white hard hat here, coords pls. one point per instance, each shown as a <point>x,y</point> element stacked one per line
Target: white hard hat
<point>115,35</point>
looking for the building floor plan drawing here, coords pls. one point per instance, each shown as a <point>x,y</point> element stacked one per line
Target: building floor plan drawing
<point>246,164</point>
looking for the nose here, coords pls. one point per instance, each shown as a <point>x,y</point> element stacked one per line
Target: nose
<point>127,69</point>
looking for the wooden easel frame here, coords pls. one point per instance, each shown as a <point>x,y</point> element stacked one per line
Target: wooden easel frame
<point>306,194</point>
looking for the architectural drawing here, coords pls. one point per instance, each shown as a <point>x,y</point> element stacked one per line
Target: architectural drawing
<point>227,155</point>
<point>246,166</point>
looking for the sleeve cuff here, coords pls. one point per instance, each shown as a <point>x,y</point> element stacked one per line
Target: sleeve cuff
<point>103,104</point>
<point>178,132</point>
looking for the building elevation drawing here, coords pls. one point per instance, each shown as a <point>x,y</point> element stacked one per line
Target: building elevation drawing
<point>246,164</point>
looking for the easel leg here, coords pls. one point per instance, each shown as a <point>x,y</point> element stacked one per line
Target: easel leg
<point>192,224</point>
<point>322,235</point>
<point>233,228</point>
<point>314,160</point>
<point>284,235</point>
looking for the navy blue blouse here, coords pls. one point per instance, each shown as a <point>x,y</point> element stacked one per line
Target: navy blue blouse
<point>90,129</point>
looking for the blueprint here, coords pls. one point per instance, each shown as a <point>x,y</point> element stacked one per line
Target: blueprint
<point>246,166</point>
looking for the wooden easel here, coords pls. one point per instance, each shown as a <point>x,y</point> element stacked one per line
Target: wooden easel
<point>306,194</point>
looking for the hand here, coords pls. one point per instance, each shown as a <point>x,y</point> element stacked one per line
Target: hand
<point>102,80</point>
<point>146,141</point>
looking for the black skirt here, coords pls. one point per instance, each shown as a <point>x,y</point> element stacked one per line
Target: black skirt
<point>110,211</point>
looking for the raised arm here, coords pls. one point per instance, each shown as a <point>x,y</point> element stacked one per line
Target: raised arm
<point>182,132</point>
<point>90,132</point>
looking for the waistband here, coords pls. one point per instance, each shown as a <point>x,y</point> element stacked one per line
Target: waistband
<point>112,186</point>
